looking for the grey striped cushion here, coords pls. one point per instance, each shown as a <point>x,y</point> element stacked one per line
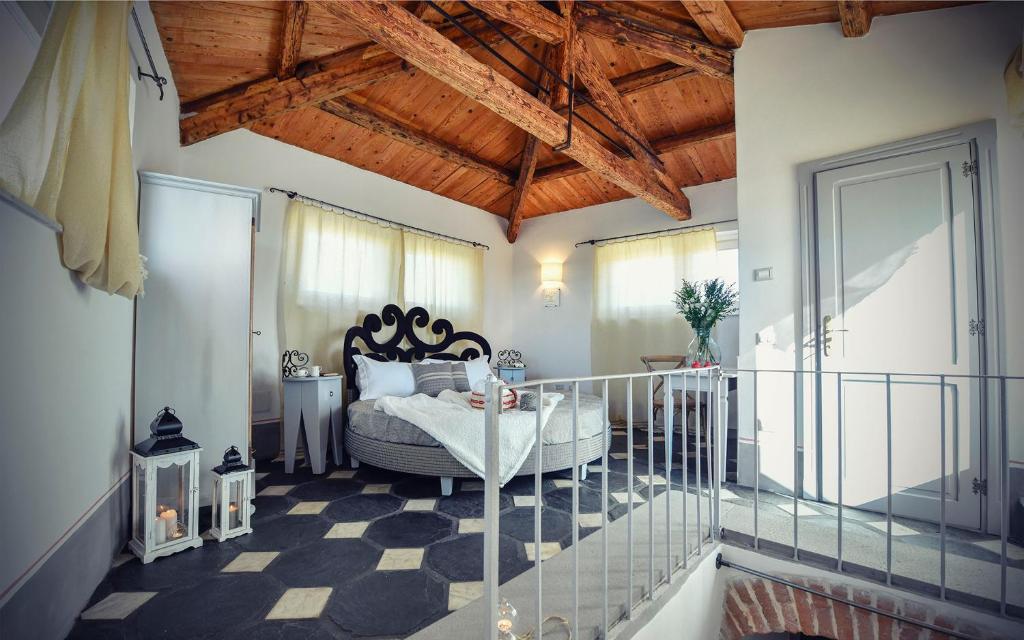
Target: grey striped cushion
<point>432,379</point>
<point>460,376</point>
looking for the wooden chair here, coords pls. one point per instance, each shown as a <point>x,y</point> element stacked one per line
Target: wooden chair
<point>658,400</point>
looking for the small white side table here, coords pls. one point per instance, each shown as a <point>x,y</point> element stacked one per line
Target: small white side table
<point>315,403</point>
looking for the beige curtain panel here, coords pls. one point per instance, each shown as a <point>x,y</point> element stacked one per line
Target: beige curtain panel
<point>634,312</point>
<point>336,269</point>
<point>67,146</point>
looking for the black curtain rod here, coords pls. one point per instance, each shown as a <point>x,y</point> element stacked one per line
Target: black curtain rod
<point>655,233</point>
<point>294,194</point>
<point>722,562</point>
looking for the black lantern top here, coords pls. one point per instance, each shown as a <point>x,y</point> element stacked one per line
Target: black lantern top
<point>166,438</point>
<point>232,462</point>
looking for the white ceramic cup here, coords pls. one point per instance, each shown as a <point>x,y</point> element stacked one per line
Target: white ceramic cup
<point>315,371</point>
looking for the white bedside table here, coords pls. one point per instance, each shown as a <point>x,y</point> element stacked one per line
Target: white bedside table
<point>315,403</point>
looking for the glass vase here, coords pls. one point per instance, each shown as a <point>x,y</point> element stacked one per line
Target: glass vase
<point>703,350</point>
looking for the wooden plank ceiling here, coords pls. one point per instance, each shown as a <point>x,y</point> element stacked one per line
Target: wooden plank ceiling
<point>371,84</point>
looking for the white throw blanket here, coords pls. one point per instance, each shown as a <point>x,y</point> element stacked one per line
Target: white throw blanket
<point>450,420</point>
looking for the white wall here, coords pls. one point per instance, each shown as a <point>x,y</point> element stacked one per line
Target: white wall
<point>556,341</point>
<point>805,93</point>
<point>65,387</point>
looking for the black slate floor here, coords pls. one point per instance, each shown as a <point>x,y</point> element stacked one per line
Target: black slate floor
<point>362,553</point>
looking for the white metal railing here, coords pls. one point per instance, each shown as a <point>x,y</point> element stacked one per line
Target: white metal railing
<point>702,381</point>
<point>816,383</point>
<point>709,381</point>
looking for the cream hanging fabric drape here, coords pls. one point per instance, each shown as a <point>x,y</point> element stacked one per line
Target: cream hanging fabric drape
<point>335,269</point>
<point>634,313</point>
<point>67,147</point>
<point>444,277</point>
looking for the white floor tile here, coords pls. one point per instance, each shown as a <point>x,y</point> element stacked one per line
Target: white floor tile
<point>377,488</point>
<point>400,560</point>
<point>118,605</point>
<point>260,476</point>
<point>619,456</point>
<point>248,561</point>
<point>121,559</point>
<point>347,530</point>
<point>462,593</point>
<point>300,603</point>
<point>342,474</point>
<point>523,501</point>
<point>308,508</point>
<point>471,525</point>
<point>420,505</point>
<point>547,550</point>
<point>589,520</point>
<point>563,483</point>
<point>621,498</point>
<point>897,528</point>
<point>276,490</point>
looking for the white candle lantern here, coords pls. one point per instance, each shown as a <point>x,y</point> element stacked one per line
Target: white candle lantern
<point>165,491</point>
<point>233,488</point>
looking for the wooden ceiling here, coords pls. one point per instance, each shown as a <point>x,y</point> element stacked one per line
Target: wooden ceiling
<point>386,87</point>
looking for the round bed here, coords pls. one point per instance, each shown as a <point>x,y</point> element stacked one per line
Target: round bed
<point>384,441</point>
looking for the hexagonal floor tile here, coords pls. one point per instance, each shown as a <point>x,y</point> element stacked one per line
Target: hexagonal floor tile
<point>409,529</point>
<point>284,532</point>
<point>561,499</point>
<point>417,487</point>
<point>469,504</point>
<point>362,507</point>
<point>325,563</point>
<point>518,523</point>
<point>462,559</point>
<point>387,604</point>
<point>326,489</point>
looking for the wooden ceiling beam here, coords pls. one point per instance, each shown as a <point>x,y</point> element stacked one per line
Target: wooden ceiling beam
<point>855,17</point>
<point>292,26</point>
<point>662,146</point>
<point>684,50</point>
<point>637,81</point>
<point>377,122</point>
<point>602,22</point>
<point>608,99</point>
<point>315,81</point>
<point>716,21</point>
<point>420,44</point>
<point>553,56</point>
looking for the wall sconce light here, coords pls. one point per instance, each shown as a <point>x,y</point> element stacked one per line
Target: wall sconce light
<point>551,279</point>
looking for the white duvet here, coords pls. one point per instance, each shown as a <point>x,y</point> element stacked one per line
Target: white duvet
<point>450,420</point>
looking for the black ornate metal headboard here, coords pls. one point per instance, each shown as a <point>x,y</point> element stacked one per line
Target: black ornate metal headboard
<point>393,349</point>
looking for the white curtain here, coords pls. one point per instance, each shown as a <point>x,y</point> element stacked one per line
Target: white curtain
<point>444,277</point>
<point>335,269</point>
<point>67,147</point>
<point>634,312</point>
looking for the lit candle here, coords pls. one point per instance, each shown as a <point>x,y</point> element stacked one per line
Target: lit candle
<point>170,518</point>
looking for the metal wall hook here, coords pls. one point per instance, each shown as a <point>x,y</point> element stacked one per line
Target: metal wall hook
<point>155,75</point>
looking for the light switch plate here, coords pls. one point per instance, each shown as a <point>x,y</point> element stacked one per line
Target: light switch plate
<point>762,274</point>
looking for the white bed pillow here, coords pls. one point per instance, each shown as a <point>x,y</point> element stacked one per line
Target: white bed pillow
<point>477,370</point>
<point>377,379</point>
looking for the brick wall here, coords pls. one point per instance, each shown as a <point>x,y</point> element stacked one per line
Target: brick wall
<point>756,606</point>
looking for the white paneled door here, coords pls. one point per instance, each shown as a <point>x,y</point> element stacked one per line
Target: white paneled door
<point>898,292</point>
<point>192,330</point>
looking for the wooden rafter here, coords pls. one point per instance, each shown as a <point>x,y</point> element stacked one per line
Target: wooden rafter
<point>855,17</point>
<point>704,57</point>
<point>638,81</point>
<point>553,56</point>
<point>662,146</point>
<point>682,49</point>
<point>716,21</point>
<point>292,26</point>
<point>376,122</point>
<point>315,81</point>
<point>421,45</point>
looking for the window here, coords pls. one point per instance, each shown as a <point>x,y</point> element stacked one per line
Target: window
<point>444,277</point>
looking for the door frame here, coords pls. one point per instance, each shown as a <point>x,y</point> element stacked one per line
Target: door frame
<point>981,137</point>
